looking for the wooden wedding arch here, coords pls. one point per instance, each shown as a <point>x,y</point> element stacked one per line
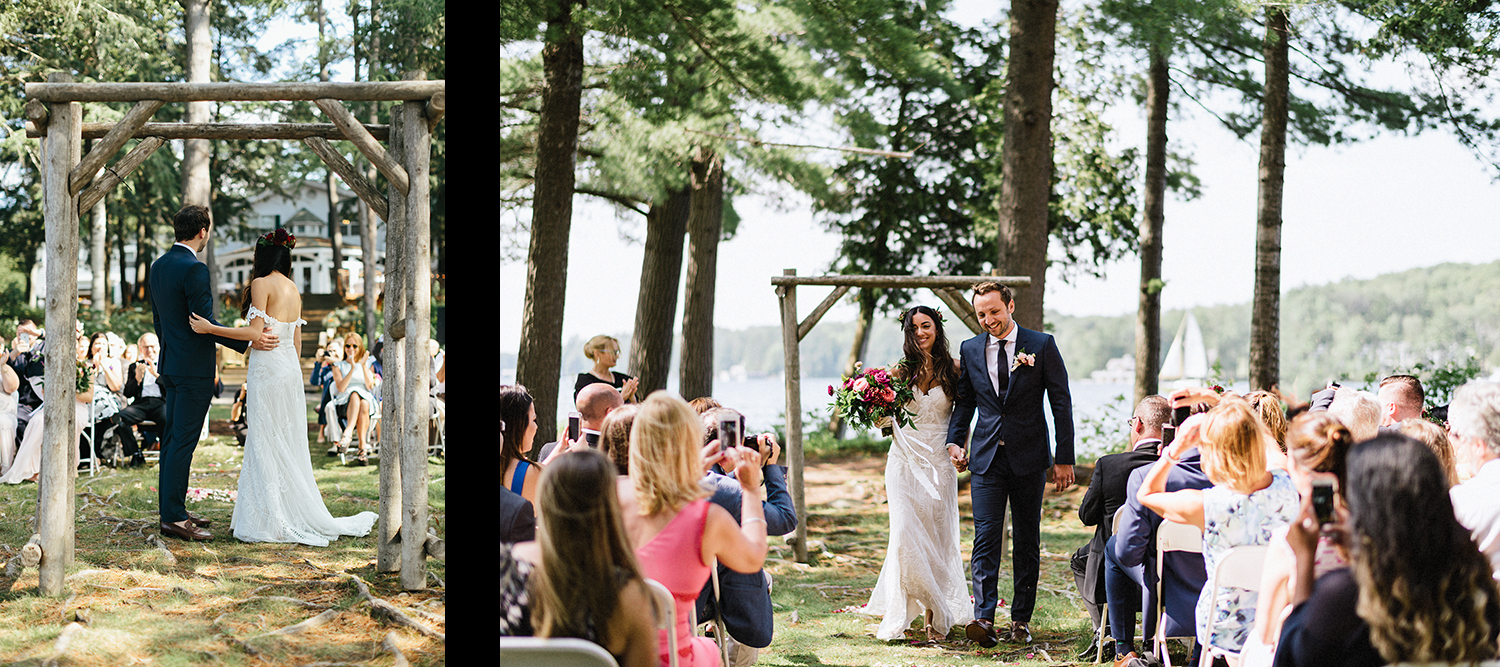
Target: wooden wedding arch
<point>949,289</point>
<point>71,185</point>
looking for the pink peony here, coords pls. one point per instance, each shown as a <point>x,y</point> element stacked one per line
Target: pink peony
<point>861,385</point>
<point>889,395</point>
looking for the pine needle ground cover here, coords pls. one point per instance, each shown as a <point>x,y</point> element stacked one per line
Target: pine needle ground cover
<point>848,531</point>
<point>221,602</point>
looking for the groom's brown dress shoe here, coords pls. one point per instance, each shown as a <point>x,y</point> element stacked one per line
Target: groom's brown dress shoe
<point>188,532</point>
<point>1019,633</point>
<point>982,631</point>
<point>199,521</point>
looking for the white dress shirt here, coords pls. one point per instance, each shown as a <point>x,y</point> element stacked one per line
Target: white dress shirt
<point>991,355</point>
<point>1476,505</point>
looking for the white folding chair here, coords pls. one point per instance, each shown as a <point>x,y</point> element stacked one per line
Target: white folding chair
<point>1114,529</point>
<point>667,618</point>
<point>1239,568</point>
<point>1172,536</point>
<point>151,455</point>
<point>553,652</point>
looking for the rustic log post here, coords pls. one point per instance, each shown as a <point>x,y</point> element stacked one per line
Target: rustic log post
<point>436,107</point>
<point>55,507</point>
<point>366,144</point>
<point>793,369</point>
<point>418,282</point>
<point>388,557</point>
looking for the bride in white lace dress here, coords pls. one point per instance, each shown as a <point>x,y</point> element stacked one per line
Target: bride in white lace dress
<point>923,572</point>
<point>278,499</point>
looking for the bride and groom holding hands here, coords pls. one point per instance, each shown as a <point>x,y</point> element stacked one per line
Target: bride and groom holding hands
<point>278,500</point>
<point>1001,377</point>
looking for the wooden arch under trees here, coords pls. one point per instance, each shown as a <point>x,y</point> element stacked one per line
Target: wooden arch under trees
<point>947,288</point>
<point>71,185</point>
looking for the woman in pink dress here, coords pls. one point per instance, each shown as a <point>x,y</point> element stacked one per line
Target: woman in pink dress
<point>675,531</point>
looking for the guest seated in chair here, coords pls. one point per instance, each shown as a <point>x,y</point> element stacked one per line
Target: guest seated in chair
<point>147,399</point>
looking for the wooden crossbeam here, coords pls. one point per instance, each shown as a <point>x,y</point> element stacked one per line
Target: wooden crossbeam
<point>111,143</point>
<point>116,174</point>
<point>958,306</point>
<point>817,313</point>
<point>234,91</point>
<point>366,144</point>
<point>296,131</point>
<point>355,180</point>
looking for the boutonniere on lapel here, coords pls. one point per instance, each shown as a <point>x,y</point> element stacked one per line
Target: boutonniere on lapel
<point>1022,359</point>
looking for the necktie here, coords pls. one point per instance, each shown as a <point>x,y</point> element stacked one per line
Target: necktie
<point>992,359</point>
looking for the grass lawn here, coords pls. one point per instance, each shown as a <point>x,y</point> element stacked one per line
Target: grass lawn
<point>848,529</point>
<point>216,603</point>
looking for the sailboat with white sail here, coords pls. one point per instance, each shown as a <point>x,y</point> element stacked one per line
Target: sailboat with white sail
<point>1186,364</point>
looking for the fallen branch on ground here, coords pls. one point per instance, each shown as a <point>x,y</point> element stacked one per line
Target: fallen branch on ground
<point>386,609</point>
<point>155,540</point>
<point>389,644</point>
<point>62,644</point>
<point>429,615</point>
<point>439,580</point>
<point>435,546</point>
<point>308,624</point>
<point>281,598</point>
<point>223,631</point>
<point>30,555</point>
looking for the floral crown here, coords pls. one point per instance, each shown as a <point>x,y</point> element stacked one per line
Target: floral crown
<point>279,237</point>
<point>906,315</point>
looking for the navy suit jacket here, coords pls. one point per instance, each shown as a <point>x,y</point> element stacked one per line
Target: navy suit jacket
<point>1106,494</point>
<point>1183,575</point>
<point>746,599</point>
<point>517,518</point>
<point>179,285</point>
<point>1015,416</point>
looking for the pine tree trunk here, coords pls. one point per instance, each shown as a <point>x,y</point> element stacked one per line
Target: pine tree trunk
<point>369,223</point>
<point>335,229</point>
<point>142,262</point>
<point>98,289</point>
<point>540,358</point>
<point>196,187</point>
<point>705,224</point>
<point>125,285</point>
<point>1026,154</point>
<point>1265,311</point>
<point>656,308</point>
<point>857,351</point>
<point>1148,312</point>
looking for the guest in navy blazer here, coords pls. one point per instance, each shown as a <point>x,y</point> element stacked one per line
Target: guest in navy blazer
<point>180,285</point>
<point>1132,550</point>
<point>746,598</point>
<point>1007,371</point>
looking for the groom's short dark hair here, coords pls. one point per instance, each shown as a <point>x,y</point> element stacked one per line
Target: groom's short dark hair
<point>987,287</point>
<point>189,221</point>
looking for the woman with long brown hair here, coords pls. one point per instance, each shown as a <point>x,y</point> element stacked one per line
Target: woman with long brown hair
<point>923,571</point>
<point>585,580</point>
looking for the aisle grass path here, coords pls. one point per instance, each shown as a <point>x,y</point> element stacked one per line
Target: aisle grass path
<point>216,603</point>
<point>847,526</point>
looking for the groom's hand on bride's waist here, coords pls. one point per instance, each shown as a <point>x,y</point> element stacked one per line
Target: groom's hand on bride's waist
<point>267,340</point>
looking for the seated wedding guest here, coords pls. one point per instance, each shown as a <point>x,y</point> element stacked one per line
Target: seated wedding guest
<point>517,516</point>
<point>1316,443</point>
<point>1400,398</point>
<point>322,376</point>
<point>604,351</point>
<point>1244,506</point>
<point>666,466</point>
<point>518,426</point>
<point>1268,406</point>
<point>29,362</point>
<point>703,404</point>
<point>148,403</point>
<point>10,384</point>
<point>354,384</point>
<point>1105,495</point>
<point>1132,550</point>
<point>593,403</point>
<point>515,603</point>
<point>27,464</point>
<point>614,437</point>
<point>585,581</point>
<point>1436,439</point>
<point>1474,426</point>
<point>1358,410</point>
<point>1417,590</point>
<point>745,599</point>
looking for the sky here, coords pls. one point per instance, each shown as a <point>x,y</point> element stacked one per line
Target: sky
<point>1353,211</point>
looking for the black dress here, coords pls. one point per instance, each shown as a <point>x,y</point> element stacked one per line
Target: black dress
<point>586,379</point>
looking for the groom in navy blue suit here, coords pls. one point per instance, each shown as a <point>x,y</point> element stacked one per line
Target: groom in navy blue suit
<point>1006,372</point>
<point>179,285</point>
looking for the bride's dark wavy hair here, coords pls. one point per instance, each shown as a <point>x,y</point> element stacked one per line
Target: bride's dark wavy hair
<point>268,258</point>
<point>915,360</point>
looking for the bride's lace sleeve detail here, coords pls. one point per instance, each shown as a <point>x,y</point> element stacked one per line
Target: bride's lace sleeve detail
<point>250,314</point>
<point>299,322</point>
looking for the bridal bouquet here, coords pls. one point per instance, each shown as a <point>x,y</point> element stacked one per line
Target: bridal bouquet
<point>870,396</point>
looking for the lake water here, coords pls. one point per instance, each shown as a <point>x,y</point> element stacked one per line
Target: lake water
<point>763,400</point>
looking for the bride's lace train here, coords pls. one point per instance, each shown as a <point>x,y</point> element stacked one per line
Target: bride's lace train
<point>278,499</point>
<point>923,564</point>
